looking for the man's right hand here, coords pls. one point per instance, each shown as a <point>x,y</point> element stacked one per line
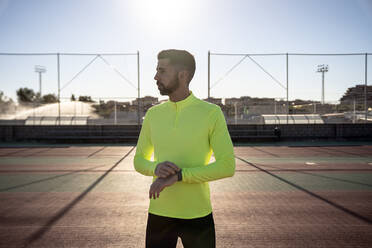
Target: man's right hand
<point>166,169</point>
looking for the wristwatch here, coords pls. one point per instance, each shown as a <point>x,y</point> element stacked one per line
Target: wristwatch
<point>179,175</point>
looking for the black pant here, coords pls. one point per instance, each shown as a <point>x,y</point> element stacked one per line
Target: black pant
<point>163,232</point>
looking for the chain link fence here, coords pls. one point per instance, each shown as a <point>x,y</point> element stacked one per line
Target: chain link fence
<point>291,88</point>
<point>104,89</point>
<point>70,88</point>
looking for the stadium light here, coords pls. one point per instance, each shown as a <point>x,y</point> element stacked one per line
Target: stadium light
<point>40,69</point>
<point>322,69</point>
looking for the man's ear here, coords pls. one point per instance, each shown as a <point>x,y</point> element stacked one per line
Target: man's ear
<point>183,75</point>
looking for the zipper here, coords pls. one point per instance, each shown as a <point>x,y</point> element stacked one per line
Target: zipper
<point>176,120</point>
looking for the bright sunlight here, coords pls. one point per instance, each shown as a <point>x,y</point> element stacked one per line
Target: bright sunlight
<point>165,13</point>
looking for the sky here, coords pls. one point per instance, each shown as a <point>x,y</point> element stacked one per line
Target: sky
<point>199,26</point>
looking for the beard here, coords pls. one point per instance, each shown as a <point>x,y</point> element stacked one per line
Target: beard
<point>172,87</point>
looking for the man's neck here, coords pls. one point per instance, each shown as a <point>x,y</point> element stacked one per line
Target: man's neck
<point>179,95</point>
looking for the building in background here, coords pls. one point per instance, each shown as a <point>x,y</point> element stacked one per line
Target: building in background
<point>356,94</point>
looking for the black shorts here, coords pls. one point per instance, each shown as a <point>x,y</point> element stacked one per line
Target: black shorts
<point>163,232</point>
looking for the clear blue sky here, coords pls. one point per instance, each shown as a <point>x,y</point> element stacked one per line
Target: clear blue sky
<point>236,26</point>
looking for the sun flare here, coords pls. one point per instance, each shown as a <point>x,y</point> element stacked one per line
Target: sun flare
<point>164,13</point>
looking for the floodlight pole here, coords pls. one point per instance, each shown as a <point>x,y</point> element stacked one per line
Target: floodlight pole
<point>322,69</point>
<point>40,69</point>
<point>40,82</point>
<point>209,74</point>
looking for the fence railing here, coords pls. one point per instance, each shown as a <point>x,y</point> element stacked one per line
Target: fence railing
<point>264,88</point>
<point>323,84</point>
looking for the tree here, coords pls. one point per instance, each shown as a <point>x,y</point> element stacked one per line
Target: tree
<point>49,98</point>
<point>38,98</point>
<point>6,103</point>
<point>73,98</point>
<point>85,99</point>
<point>25,95</point>
<point>103,109</point>
<point>2,97</point>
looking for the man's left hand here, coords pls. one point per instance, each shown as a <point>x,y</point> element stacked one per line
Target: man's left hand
<point>160,183</point>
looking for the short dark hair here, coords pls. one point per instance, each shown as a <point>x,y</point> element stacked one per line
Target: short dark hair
<point>179,58</point>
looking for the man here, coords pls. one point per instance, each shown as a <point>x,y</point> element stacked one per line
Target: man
<point>182,133</point>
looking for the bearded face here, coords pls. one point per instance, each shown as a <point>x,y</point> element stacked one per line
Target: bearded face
<point>168,89</point>
<point>167,77</point>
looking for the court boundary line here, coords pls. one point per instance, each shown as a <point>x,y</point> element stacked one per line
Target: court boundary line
<point>41,231</point>
<point>333,204</point>
<point>317,175</point>
<point>44,150</point>
<point>71,172</point>
<point>13,152</point>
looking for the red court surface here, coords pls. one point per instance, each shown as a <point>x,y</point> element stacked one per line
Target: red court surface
<point>280,196</point>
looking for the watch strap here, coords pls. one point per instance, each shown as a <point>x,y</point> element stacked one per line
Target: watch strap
<point>179,175</point>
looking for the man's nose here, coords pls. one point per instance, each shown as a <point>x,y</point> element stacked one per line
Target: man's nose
<point>156,77</point>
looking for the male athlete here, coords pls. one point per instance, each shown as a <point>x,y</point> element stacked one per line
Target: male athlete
<point>182,133</point>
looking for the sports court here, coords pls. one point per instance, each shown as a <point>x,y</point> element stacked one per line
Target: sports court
<point>280,196</point>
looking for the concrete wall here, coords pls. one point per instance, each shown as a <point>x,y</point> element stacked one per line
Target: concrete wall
<point>130,132</point>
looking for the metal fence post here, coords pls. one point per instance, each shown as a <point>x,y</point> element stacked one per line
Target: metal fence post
<point>59,90</point>
<point>138,81</point>
<point>287,88</point>
<point>365,87</point>
<point>209,74</point>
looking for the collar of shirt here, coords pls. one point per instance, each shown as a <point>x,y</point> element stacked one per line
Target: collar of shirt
<point>183,103</point>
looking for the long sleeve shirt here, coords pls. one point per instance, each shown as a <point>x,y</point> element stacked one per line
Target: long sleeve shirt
<point>186,133</point>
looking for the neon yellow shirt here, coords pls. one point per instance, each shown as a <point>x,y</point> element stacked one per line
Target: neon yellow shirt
<point>185,133</point>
